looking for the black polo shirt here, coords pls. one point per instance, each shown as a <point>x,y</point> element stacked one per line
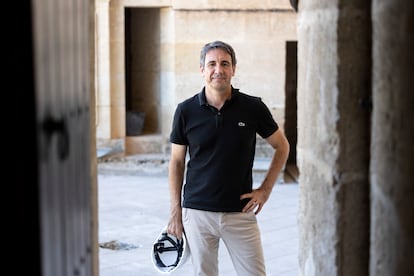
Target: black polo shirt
<point>221,146</point>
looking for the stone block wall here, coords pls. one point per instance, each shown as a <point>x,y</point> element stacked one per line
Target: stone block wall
<point>258,30</point>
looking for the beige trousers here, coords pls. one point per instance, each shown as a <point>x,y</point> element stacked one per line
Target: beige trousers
<point>240,234</point>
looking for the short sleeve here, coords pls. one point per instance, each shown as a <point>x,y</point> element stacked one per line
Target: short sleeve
<point>177,135</point>
<point>266,124</point>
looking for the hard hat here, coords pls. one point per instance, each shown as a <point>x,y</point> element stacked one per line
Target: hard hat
<point>168,252</point>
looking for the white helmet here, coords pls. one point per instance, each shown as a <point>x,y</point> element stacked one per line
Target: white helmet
<point>168,253</point>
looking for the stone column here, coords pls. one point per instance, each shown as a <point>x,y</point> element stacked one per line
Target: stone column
<point>392,171</point>
<point>102,70</point>
<point>117,71</point>
<point>334,61</point>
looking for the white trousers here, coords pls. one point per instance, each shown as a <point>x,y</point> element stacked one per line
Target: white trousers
<point>240,234</point>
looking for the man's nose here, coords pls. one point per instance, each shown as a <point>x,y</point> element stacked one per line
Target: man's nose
<point>219,68</point>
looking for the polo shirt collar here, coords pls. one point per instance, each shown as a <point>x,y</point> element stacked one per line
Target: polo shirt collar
<point>203,100</point>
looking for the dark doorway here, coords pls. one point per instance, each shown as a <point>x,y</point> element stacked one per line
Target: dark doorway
<point>291,171</point>
<point>142,72</point>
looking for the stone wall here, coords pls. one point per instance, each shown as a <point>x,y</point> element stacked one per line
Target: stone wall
<point>258,30</point>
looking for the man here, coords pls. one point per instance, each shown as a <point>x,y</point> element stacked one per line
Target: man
<point>218,127</point>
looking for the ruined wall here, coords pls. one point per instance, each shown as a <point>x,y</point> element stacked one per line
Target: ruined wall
<point>258,30</point>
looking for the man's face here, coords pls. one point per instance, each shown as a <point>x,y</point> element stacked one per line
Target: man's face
<point>218,69</point>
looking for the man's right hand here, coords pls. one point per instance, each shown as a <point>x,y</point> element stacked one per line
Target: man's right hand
<point>175,225</point>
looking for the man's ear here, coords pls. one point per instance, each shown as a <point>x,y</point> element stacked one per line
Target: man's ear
<point>234,70</point>
<point>202,70</point>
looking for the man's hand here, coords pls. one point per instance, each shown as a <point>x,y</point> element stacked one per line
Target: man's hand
<point>258,198</point>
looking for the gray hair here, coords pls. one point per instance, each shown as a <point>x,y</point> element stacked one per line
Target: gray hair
<point>217,45</point>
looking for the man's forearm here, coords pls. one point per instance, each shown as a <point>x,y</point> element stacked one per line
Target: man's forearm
<point>276,166</point>
<point>176,177</point>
